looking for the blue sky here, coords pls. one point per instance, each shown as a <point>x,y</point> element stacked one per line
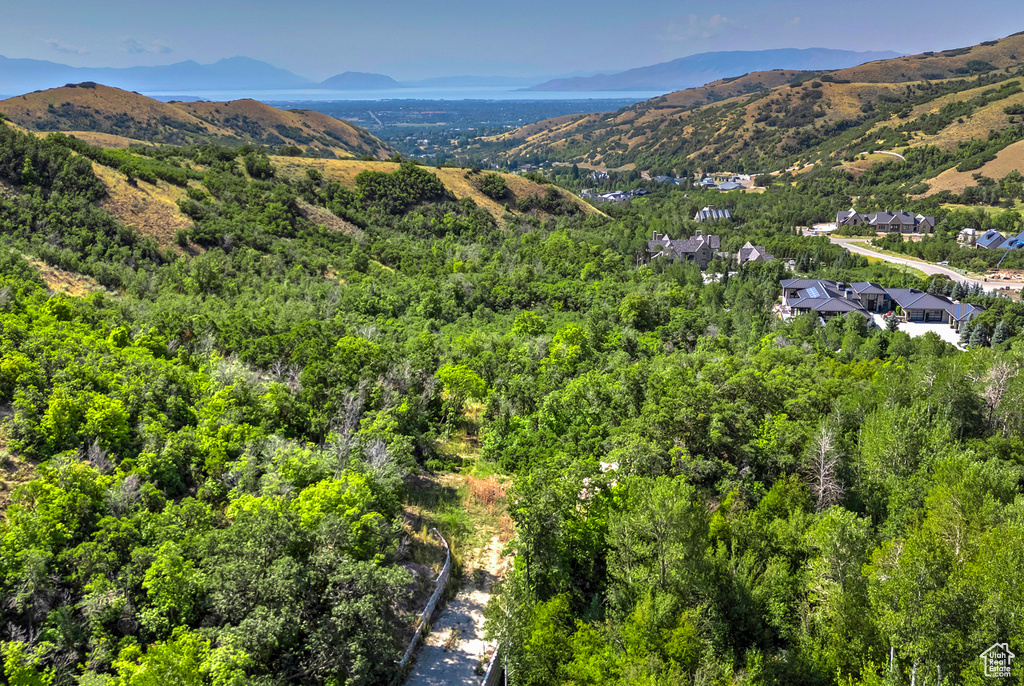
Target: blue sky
<point>410,39</point>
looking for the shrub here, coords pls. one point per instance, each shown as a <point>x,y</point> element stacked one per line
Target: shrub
<point>493,186</point>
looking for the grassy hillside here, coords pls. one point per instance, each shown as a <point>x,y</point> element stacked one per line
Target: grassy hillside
<point>98,109</point>
<point>455,180</point>
<point>149,208</point>
<point>768,121</point>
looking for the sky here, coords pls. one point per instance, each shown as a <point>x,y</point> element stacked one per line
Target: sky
<point>414,39</point>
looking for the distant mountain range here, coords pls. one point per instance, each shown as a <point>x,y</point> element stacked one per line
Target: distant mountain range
<point>246,74</point>
<point>235,73</point>
<point>705,67</point>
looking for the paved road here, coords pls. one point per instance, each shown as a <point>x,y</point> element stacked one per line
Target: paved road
<point>857,246</point>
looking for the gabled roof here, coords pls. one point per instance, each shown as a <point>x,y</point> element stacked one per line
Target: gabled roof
<point>712,214</point>
<point>694,243</point>
<point>867,288</point>
<point>964,311</point>
<point>991,239</point>
<point>846,215</point>
<point>802,283</point>
<point>913,299</point>
<point>750,252</point>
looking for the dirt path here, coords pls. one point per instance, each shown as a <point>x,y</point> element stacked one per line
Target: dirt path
<point>455,647</point>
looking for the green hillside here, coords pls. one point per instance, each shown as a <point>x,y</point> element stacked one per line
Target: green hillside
<point>239,392</point>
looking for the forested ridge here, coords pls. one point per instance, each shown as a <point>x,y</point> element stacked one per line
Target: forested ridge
<point>221,439</point>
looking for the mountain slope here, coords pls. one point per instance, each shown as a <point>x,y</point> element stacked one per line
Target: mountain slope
<point>355,80</point>
<point>453,178</point>
<point>764,121</point>
<point>101,109</point>
<point>703,68</point>
<point>234,73</point>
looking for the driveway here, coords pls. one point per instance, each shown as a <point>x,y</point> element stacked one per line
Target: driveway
<point>858,246</point>
<point>915,329</point>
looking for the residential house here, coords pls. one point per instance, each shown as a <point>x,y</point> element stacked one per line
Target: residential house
<point>730,186</point>
<point>710,214</point>
<point>708,182</point>
<point>888,222</point>
<point>826,299</point>
<point>753,253</point>
<point>992,240</point>
<point>700,248</point>
<point>873,297</point>
<point>919,306</point>
<point>851,217</point>
<point>830,298</point>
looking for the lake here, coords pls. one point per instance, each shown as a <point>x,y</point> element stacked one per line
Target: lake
<point>451,93</point>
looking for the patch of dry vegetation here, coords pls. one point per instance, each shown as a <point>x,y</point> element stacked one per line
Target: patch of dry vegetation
<point>60,281</point>
<point>150,209</point>
<point>14,471</point>
<point>322,217</point>
<point>1008,159</point>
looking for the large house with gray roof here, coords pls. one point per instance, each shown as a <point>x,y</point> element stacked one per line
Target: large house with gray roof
<point>700,249</point>
<point>888,222</point>
<point>830,298</point>
<point>710,214</point>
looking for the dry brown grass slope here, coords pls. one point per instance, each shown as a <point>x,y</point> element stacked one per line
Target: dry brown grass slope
<point>454,179</point>
<point>934,66</point>
<point>302,128</point>
<point>151,209</point>
<point>99,109</point>
<point>1007,160</point>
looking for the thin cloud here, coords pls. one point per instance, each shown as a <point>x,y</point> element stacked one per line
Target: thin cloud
<point>66,48</point>
<point>137,47</point>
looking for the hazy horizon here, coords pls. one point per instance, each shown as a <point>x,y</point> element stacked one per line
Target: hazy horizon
<point>411,41</point>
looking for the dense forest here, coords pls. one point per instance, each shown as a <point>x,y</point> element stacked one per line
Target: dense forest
<point>221,437</point>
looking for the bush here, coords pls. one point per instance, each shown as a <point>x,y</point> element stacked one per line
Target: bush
<point>493,186</point>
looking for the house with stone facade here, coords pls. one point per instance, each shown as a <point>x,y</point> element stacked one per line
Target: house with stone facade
<point>902,222</point>
<point>700,249</point>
